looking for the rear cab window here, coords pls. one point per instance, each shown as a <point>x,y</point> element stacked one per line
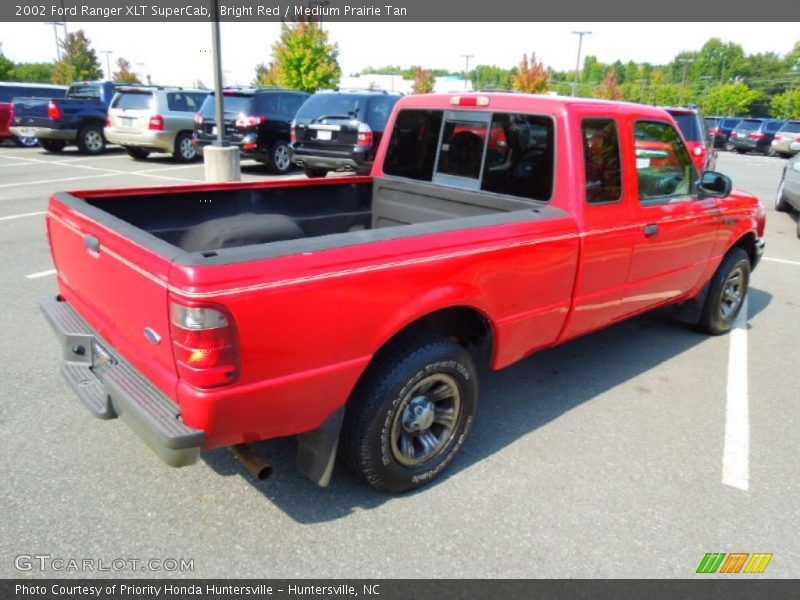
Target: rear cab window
<point>665,170</point>
<point>85,91</point>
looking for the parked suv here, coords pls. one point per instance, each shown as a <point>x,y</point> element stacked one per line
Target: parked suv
<point>21,91</point>
<point>786,135</point>
<point>694,132</point>
<point>154,119</point>
<point>257,120</point>
<point>337,131</point>
<point>755,134</point>
<point>720,128</point>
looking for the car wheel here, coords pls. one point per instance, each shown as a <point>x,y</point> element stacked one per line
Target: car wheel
<point>781,203</point>
<point>280,160</point>
<point>741,150</point>
<point>410,413</point>
<point>90,140</point>
<point>54,146</point>
<point>26,142</point>
<point>314,173</point>
<point>726,293</point>
<point>184,148</point>
<point>137,153</point>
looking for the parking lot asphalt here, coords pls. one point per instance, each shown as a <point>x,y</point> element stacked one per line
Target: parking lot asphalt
<point>600,458</point>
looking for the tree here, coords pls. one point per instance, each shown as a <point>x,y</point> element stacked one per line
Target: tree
<point>125,75</point>
<point>78,60</point>
<point>6,67</point>
<point>491,77</point>
<point>787,105</point>
<point>266,75</point>
<point>424,81</point>
<point>731,98</point>
<point>532,77</point>
<point>303,58</point>
<point>609,88</point>
<point>34,72</point>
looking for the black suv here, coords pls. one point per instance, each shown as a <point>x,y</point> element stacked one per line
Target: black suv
<point>755,134</point>
<point>720,128</point>
<point>339,131</point>
<point>257,120</point>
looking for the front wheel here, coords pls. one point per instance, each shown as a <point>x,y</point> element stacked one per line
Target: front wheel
<point>53,146</point>
<point>410,414</point>
<point>726,293</point>
<point>280,161</point>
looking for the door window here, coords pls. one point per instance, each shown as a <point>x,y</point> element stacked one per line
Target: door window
<point>663,165</point>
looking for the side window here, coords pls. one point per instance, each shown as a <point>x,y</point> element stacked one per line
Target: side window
<point>180,102</point>
<point>412,147</point>
<point>291,104</point>
<point>663,164</point>
<point>268,105</point>
<point>520,156</point>
<point>601,161</point>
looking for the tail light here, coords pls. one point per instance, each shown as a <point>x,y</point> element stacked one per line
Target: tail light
<point>54,111</point>
<point>10,115</point>
<point>198,119</point>
<point>253,121</point>
<point>156,123</point>
<point>757,135</point>
<point>734,134</point>
<point>364,135</point>
<point>108,121</point>
<point>293,133</point>
<point>698,150</point>
<point>204,344</point>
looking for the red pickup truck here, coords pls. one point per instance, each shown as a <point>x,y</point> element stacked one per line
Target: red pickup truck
<point>350,311</point>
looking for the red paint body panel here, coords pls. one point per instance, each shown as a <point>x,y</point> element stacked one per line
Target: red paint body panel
<point>5,120</point>
<point>308,324</point>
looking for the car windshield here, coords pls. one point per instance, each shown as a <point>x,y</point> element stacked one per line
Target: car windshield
<point>133,101</point>
<point>689,124</point>
<point>332,105</point>
<point>232,104</point>
<point>84,91</point>
<point>791,127</point>
<point>749,125</point>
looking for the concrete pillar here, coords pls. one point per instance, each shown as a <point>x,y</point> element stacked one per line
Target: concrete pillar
<point>222,164</point>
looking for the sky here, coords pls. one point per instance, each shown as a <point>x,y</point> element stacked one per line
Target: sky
<point>179,53</point>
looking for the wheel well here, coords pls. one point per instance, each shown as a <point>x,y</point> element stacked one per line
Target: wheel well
<point>748,243</point>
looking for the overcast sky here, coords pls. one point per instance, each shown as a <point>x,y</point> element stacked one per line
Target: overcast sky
<point>179,53</point>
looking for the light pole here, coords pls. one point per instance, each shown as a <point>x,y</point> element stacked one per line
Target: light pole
<point>641,93</point>
<point>55,25</point>
<point>575,83</point>
<point>466,57</point>
<point>108,54</point>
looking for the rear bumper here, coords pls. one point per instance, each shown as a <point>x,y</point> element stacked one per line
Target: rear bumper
<point>46,133</point>
<point>333,160</point>
<point>163,141</point>
<point>116,389</point>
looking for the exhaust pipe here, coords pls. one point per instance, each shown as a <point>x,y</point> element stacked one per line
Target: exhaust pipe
<point>259,467</point>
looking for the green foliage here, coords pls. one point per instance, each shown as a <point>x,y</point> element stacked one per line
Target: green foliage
<point>491,77</point>
<point>124,74</point>
<point>78,60</point>
<point>609,89</point>
<point>731,98</point>
<point>424,81</point>
<point>266,75</point>
<point>6,67</point>
<point>787,105</point>
<point>303,59</point>
<point>34,72</point>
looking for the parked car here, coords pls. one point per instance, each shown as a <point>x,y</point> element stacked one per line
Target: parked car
<point>9,91</point>
<point>755,134</point>
<point>257,120</point>
<point>720,129</point>
<point>350,311</point>
<point>338,131</point>
<point>788,196</point>
<point>784,138</point>
<point>77,119</point>
<point>694,132</point>
<point>145,119</point>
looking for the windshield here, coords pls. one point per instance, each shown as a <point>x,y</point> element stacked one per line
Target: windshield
<point>332,105</point>
<point>690,126</point>
<point>232,105</point>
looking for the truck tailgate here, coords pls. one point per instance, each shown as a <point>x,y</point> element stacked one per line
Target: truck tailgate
<point>31,112</point>
<point>118,286</point>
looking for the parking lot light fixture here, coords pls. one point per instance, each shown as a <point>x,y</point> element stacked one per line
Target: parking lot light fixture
<point>578,77</point>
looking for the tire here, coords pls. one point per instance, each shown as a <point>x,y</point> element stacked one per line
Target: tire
<point>137,153</point>
<point>185,150</point>
<point>315,173</point>
<point>25,142</point>
<point>53,146</point>
<point>280,160</point>
<point>90,140</point>
<point>726,293</point>
<point>781,204</point>
<point>392,436</point>
<point>741,150</point>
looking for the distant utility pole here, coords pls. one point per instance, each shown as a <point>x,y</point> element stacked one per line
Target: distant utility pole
<point>641,93</point>
<point>108,53</point>
<point>56,25</point>
<point>686,62</point>
<point>575,83</point>
<point>466,57</point>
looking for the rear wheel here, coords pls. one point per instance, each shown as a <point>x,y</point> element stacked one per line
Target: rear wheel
<point>25,142</point>
<point>726,293</point>
<point>90,139</point>
<point>280,161</point>
<point>53,146</point>
<point>184,148</point>
<point>137,153</point>
<point>741,150</point>
<point>410,414</point>
<point>312,173</point>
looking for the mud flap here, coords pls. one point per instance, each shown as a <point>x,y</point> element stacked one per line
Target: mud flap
<point>316,450</point>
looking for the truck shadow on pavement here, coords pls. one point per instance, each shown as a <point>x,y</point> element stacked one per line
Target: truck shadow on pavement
<point>513,403</point>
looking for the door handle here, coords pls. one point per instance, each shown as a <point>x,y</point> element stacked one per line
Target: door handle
<point>650,229</point>
<point>92,243</point>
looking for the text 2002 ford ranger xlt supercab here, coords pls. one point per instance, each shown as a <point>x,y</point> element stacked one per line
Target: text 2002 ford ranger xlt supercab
<point>346,311</point>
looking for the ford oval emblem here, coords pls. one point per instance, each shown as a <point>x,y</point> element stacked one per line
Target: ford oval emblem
<point>152,336</point>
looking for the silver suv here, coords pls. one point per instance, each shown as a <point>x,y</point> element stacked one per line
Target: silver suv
<point>145,119</point>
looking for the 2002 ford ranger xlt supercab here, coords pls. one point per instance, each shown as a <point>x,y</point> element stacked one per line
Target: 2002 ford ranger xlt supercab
<point>350,311</point>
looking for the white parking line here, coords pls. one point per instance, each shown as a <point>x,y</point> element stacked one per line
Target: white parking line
<point>41,274</point>
<point>23,215</point>
<point>736,455</point>
<point>783,261</point>
<point>42,181</point>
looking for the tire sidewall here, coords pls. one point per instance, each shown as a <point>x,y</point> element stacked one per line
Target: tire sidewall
<point>273,158</point>
<point>711,320</point>
<point>82,139</point>
<point>178,155</point>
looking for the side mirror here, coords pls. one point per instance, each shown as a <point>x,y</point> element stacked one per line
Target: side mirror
<point>715,185</point>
